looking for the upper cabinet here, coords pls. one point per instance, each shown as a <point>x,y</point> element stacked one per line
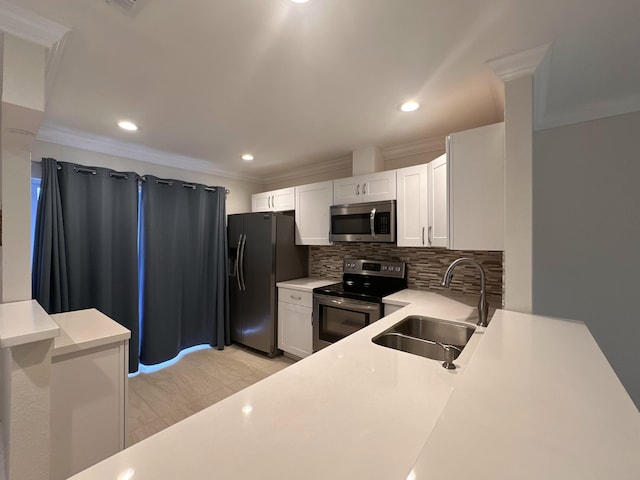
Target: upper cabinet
<point>372,187</point>
<point>312,213</point>
<point>422,205</point>
<point>274,201</point>
<point>475,167</point>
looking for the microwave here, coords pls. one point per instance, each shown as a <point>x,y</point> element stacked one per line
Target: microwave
<point>364,222</point>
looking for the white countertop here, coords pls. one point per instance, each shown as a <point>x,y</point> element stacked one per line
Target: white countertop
<point>25,322</point>
<point>306,284</point>
<point>85,329</point>
<point>538,401</point>
<point>357,410</point>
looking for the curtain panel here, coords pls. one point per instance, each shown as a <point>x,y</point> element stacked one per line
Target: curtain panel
<point>184,268</point>
<point>86,249</point>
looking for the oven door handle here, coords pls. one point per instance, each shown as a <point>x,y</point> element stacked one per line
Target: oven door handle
<point>355,305</point>
<point>372,223</point>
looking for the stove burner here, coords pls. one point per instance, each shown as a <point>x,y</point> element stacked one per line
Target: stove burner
<point>367,280</point>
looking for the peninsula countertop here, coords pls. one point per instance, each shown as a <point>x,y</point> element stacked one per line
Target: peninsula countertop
<point>358,410</point>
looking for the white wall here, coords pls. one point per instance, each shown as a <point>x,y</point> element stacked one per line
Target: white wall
<point>518,128</point>
<point>586,234</point>
<point>238,201</point>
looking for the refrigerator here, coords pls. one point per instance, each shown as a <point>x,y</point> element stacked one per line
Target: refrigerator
<point>262,251</point>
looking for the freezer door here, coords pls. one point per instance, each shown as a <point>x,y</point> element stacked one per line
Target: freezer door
<point>258,302</point>
<point>235,234</point>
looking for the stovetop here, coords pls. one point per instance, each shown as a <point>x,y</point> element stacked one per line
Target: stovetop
<point>367,280</point>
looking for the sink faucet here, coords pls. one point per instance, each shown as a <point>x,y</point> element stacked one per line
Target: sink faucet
<point>483,306</point>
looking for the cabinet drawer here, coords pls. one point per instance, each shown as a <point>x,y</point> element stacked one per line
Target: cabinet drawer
<point>297,297</point>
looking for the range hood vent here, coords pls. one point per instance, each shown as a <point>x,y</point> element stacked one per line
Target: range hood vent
<point>128,7</point>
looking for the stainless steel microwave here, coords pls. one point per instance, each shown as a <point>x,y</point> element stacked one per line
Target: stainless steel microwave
<point>364,222</point>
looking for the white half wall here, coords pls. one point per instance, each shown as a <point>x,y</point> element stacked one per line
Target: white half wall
<point>586,234</point>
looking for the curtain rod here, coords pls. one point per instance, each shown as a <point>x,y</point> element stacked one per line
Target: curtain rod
<point>124,176</point>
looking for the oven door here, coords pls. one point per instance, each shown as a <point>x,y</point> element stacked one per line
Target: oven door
<point>335,317</point>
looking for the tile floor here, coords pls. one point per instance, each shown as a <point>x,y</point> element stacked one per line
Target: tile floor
<point>196,381</point>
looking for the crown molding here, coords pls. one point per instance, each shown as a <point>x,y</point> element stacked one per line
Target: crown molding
<point>29,26</point>
<point>309,170</point>
<point>109,146</point>
<point>96,143</point>
<point>413,148</point>
<point>517,65</point>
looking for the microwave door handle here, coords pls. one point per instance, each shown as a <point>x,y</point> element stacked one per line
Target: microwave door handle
<point>372,223</point>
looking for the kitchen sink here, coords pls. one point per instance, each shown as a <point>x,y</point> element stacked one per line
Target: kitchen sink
<point>427,337</point>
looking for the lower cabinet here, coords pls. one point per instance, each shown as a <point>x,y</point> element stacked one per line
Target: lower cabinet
<point>295,331</point>
<point>89,368</point>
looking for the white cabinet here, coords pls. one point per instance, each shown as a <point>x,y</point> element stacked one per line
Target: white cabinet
<point>438,203</point>
<point>365,188</point>
<point>295,331</point>
<point>390,308</point>
<point>475,167</point>
<point>422,205</point>
<point>312,213</point>
<point>274,201</point>
<point>89,368</point>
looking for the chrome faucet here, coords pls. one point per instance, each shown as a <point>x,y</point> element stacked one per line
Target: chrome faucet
<point>483,305</point>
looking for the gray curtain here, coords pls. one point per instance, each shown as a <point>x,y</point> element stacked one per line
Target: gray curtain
<point>49,281</point>
<point>184,268</point>
<point>99,210</point>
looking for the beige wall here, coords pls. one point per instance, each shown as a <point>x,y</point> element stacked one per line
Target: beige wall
<point>301,179</point>
<point>411,160</point>
<point>238,200</point>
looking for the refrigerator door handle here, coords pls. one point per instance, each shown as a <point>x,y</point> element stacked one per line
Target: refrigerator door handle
<point>241,261</point>
<point>236,263</point>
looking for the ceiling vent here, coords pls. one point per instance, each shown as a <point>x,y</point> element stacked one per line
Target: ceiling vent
<point>128,7</point>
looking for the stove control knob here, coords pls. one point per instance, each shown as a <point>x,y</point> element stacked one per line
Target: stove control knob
<point>397,269</point>
<point>384,268</point>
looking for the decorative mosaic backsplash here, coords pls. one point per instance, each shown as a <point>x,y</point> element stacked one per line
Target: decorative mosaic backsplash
<point>425,266</point>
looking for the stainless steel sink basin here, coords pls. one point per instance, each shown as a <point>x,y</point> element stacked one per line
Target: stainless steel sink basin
<point>426,336</point>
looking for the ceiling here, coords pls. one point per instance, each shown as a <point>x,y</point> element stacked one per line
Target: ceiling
<point>302,84</point>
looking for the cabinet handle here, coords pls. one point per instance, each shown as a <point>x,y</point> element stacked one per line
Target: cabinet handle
<point>358,189</point>
<point>422,235</point>
<point>364,188</point>
<point>429,235</point>
<point>269,201</point>
<point>295,298</point>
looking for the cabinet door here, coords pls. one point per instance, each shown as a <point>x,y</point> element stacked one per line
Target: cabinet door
<point>312,213</point>
<point>261,202</point>
<point>438,231</point>
<point>412,206</point>
<point>347,190</point>
<point>379,186</point>
<point>295,333</point>
<point>283,199</point>
<point>475,162</point>
<point>88,407</point>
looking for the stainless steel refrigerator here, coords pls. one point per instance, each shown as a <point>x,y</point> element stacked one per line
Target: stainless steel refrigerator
<point>262,251</point>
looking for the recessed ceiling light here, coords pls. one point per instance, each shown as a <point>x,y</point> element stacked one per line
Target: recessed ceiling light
<point>410,106</point>
<point>299,1</point>
<point>247,156</point>
<point>127,125</point>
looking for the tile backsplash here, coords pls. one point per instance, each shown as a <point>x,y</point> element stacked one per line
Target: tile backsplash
<point>425,266</point>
